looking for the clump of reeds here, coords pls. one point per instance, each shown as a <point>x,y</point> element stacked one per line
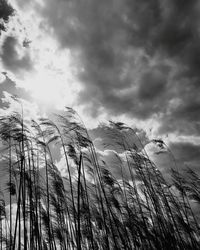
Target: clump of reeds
<point>89,208</point>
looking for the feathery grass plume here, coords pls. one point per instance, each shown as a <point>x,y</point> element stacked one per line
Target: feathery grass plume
<point>89,207</point>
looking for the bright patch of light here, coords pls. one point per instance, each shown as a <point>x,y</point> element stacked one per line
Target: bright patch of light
<point>2,78</point>
<point>45,88</point>
<point>51,89</point>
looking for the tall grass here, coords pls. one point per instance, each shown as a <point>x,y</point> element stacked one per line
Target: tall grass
<point>89,208</point>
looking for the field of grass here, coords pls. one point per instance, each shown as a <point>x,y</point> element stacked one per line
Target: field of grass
<point>88,208</point>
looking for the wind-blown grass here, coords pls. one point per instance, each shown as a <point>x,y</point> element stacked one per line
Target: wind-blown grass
<point>89,208</point>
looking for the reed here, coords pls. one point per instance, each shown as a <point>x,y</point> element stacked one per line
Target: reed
<point>89,208</point>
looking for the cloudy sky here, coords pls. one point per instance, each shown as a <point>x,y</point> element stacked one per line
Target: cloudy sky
<point>135,61</point>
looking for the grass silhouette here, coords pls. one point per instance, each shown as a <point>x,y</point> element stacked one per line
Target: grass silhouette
<point>89,208</point>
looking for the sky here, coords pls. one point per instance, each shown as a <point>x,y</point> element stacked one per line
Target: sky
<point>135,61</point>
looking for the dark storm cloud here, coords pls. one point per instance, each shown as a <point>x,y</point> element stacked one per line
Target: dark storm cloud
<point>183,113</point>
<point>178,156</point>
<point>181,155</point>
<point>157,81</point>
<point>108,137</point>
<point>6,11</point>
<point>186,155</point>
<point>139,56</point>
<point>12,59</point>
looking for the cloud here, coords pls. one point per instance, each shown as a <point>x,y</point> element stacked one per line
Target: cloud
<point>106,137</point>
<point>2,78</point>
<point>153,83</point>
<point>115,163</point>
<point>138,60</point>
<point>62,167</point>
<point>182,113</point>
<point>186,154</point>
<point>178,155</point>
<point>134,57</point>
<point>14,57</point>
<point>11,105</point>
<point>8,85</point>
<point>6,11</point>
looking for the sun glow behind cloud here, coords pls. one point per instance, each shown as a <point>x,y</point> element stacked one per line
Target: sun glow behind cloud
<point>69,38</point>
<point>107,69</point>
<point>52,80</point>
<point>51,89</point>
